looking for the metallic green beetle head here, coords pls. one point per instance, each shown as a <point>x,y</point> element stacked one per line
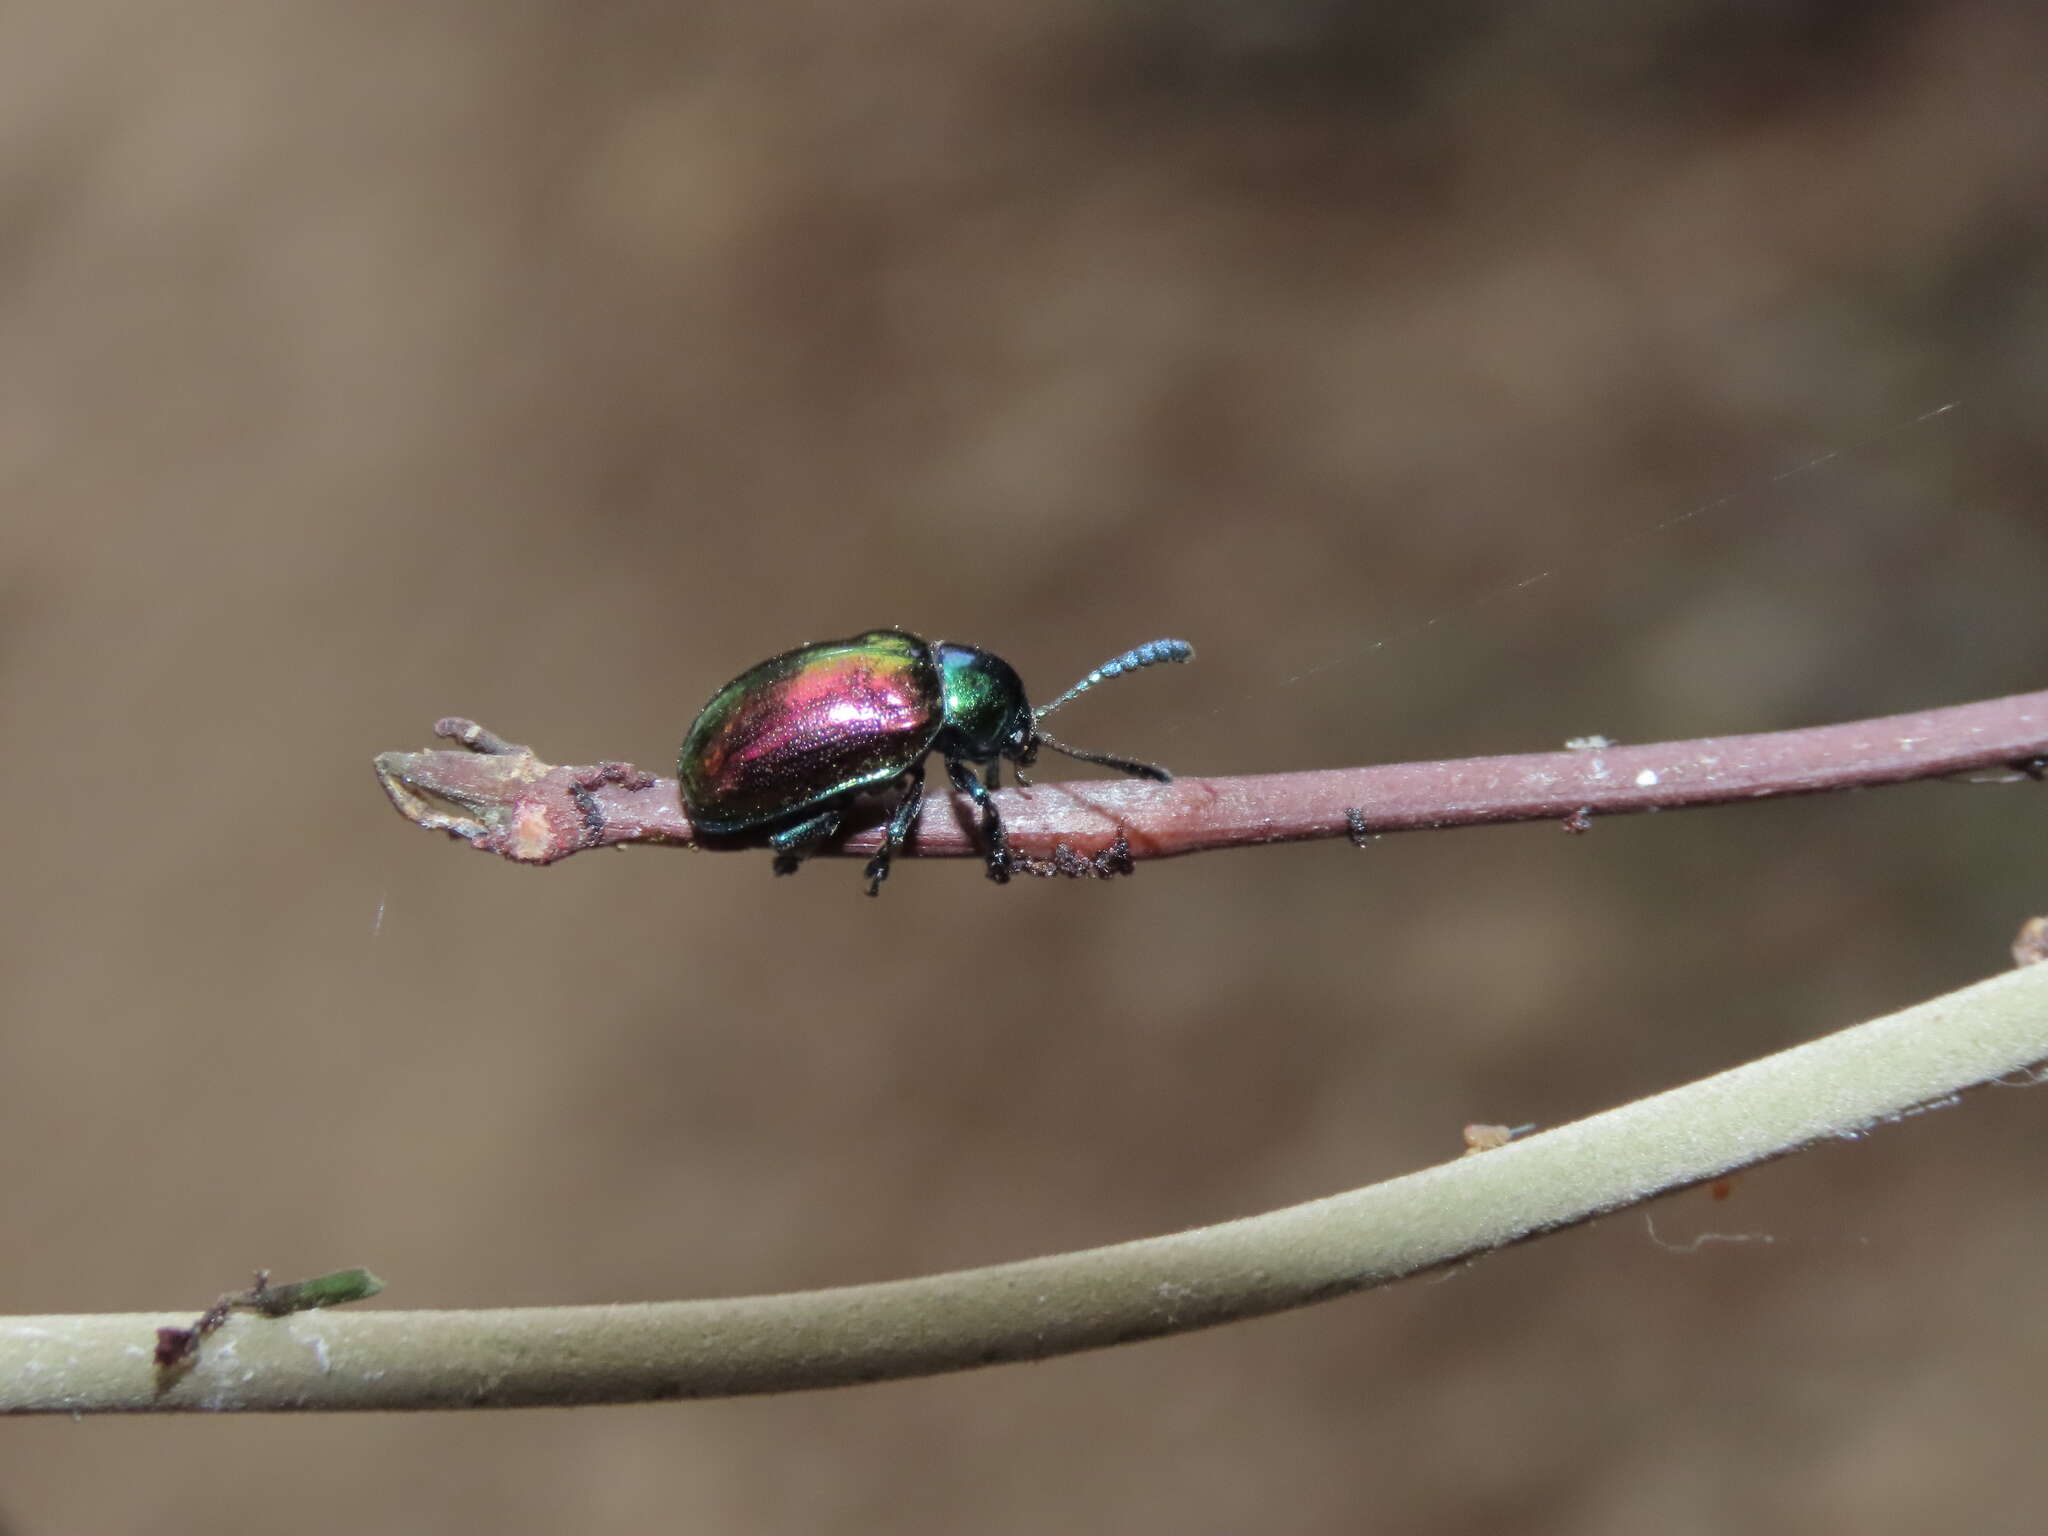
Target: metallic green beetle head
<point>987,715</point>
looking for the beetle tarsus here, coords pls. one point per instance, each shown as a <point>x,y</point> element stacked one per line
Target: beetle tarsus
<point>996,841</point>
<point>794,844</point>
<point>900,822</point>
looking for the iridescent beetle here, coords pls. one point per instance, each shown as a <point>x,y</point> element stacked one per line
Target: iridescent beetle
<point>784,748</point>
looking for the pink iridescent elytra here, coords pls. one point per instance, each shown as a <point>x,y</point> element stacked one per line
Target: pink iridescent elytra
<point>818,721</point>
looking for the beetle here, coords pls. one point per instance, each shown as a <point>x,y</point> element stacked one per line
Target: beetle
<point>784,748</point>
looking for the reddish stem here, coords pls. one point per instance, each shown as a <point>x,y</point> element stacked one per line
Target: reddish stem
<point>501,798</point>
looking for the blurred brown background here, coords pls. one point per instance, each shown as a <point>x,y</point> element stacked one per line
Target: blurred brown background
<point>548,363</point>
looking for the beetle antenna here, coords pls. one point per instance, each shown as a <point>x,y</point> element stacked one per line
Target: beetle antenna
<point>1130,765</point>
<point>1150,654</point>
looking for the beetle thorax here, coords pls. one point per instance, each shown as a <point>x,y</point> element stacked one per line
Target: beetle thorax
<point>987,715</point>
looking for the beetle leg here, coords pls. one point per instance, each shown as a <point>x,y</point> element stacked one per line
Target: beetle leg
<point>900,823</point>
<point>793,844</point>
<point>991,819</point>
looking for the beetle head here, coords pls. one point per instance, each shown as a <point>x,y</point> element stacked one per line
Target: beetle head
<point>987,715</point>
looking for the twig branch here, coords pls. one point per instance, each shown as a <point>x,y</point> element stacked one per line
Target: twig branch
<point>501,798</point>
<point>1838,1086</point>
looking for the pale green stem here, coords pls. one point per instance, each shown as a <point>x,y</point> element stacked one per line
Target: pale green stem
<point>1838,1086</point>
